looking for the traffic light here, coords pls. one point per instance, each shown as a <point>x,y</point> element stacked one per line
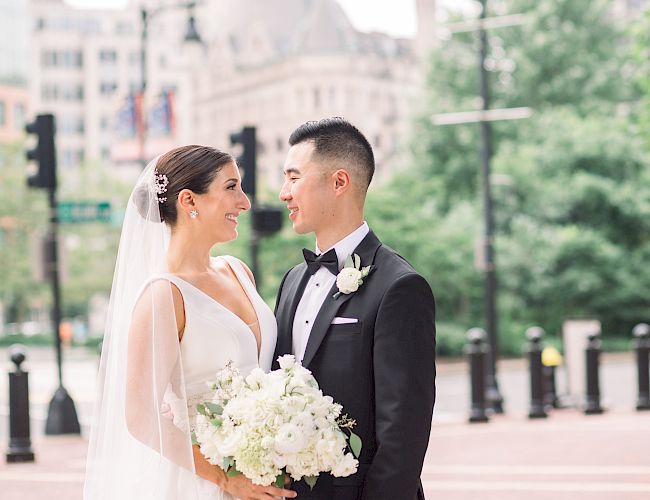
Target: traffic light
<point>44,153</point>
<point>267,219</point>
<point>248,159</point>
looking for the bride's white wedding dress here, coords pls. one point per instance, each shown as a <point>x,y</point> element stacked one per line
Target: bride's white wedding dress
<point>213,336</point>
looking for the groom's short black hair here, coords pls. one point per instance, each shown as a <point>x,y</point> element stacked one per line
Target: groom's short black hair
<point>336,140</point>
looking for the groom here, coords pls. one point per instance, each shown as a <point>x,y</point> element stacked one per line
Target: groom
<point>373,349</point>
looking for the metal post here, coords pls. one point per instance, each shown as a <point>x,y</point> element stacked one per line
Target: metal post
<point>641,333</point>
<point>476,351</point>
<point>592,354</point>
<point>20,442</point>
<point>494,398</point>
<point>61,415</point>
<point>144,18</point>
<point>534,335</point>
<point>550,387</point>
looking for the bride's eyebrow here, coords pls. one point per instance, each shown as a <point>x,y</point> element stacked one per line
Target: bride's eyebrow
<point>232,179</point>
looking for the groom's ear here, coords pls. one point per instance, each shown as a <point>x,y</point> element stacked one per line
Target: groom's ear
<point>341,179</point>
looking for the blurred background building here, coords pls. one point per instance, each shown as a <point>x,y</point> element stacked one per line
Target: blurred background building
<point>269,64</point>
<point>273,65</point>
<point>14,68</point>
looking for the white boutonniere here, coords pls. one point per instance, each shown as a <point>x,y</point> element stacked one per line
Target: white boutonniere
<point>350,278</point>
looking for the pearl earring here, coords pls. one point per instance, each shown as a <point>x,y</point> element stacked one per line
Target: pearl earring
<point>194,214</point>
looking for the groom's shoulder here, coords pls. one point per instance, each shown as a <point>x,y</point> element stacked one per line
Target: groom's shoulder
<point>295,272</point>
<point>392,263</point>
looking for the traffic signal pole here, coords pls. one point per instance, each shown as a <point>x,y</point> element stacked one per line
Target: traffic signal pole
<point>247,161</point>
<point>61,415</point>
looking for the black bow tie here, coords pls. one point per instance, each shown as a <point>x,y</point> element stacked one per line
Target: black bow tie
<point>328,260</point>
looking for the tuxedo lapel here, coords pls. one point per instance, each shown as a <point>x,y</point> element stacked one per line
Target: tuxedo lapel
<point>366,251</point>
<point>293,292</point>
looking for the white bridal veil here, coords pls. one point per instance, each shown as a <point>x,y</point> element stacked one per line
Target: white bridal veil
<point>140,446</point>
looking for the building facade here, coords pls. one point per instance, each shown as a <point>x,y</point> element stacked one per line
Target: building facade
<point>298,60</point>
<point>273,65</point>
<point>14,106</point>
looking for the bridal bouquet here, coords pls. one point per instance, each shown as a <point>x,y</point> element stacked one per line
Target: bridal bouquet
<point>269,424</point>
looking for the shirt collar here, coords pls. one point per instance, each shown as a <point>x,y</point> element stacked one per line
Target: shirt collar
<point>346,246</point>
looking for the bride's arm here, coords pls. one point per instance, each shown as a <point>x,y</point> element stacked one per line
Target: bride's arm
<point>238,486</point>
<point>153,370</point>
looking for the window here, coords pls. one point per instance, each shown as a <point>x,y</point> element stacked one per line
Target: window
<point>19,116</point>
<point>108,56</point>
<point>49,92</point>
<point>72,157</point>
<point>107,89</point>
<point>134,58</point>
<point>3,114</point>
<point>70,125</point>
<point>103,122</point>
<point>62,58</point>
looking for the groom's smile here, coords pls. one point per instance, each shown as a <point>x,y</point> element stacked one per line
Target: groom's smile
<point>304,189</point>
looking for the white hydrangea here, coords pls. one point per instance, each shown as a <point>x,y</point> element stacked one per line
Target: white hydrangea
<point>271,423</point>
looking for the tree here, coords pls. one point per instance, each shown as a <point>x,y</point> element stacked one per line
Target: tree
<point>569,184</point>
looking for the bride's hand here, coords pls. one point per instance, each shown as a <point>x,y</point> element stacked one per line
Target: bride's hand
<point>242,488</point>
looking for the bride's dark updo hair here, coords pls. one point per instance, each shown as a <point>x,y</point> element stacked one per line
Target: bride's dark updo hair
<point>187,167</point>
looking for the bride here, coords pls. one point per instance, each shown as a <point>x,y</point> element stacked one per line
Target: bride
<point>176,316</point>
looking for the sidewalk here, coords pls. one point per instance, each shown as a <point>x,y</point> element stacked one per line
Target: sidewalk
<point>568,456</point>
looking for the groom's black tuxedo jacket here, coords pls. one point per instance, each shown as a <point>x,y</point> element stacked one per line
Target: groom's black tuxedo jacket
<point>381,369</point>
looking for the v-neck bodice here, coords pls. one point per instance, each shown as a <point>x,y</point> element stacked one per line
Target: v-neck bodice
<point>214,335</point>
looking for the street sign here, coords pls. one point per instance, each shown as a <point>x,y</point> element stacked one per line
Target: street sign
<point>76,212</point>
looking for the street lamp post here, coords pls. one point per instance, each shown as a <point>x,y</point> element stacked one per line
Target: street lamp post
<point>191,35</point>
<point>485,116</point>
<point>493,396</point>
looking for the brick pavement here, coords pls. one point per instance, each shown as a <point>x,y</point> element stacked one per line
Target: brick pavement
<point>568,456</point>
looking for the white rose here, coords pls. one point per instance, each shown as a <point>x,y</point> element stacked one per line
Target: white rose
<point>287,361</point>
<point>346,466</point>
<point>289,439</point>
<point>348,280</point>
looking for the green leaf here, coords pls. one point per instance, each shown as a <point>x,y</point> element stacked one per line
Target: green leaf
<point>357,261</point>
<point>348,262</point>
<point>311,481</point>
<point>279,481</point>
<point>217,422</point>
<point>214,408</point>
<point>355,444</point>
<point>201,409</point>
<point>194,440</point>
<point>233,472</point>
<point>228,462</point>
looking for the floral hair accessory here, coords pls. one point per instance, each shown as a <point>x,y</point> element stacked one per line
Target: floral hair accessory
<point>160,182</point>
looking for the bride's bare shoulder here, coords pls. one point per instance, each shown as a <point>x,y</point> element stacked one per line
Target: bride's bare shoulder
<point>159,297</point>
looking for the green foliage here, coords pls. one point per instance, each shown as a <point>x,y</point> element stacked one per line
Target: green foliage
<point>41,339</point>
<point>22,213</point>
<point>570,185</point>
<point>641,54</point>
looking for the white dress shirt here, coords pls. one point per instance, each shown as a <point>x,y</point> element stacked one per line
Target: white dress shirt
<point>318,287</point>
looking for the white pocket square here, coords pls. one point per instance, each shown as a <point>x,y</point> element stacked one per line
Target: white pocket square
<point>344,321</point>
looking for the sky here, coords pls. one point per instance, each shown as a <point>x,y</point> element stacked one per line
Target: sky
<point>395,17</point>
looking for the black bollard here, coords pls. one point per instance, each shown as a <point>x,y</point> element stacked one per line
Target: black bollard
<point>551,359</point>
<point>550,387</point>
<point>476,351</point>
<point>592,354</point>
<point>20,443</point>
<point>641,334</point>
<point>534,334</point>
